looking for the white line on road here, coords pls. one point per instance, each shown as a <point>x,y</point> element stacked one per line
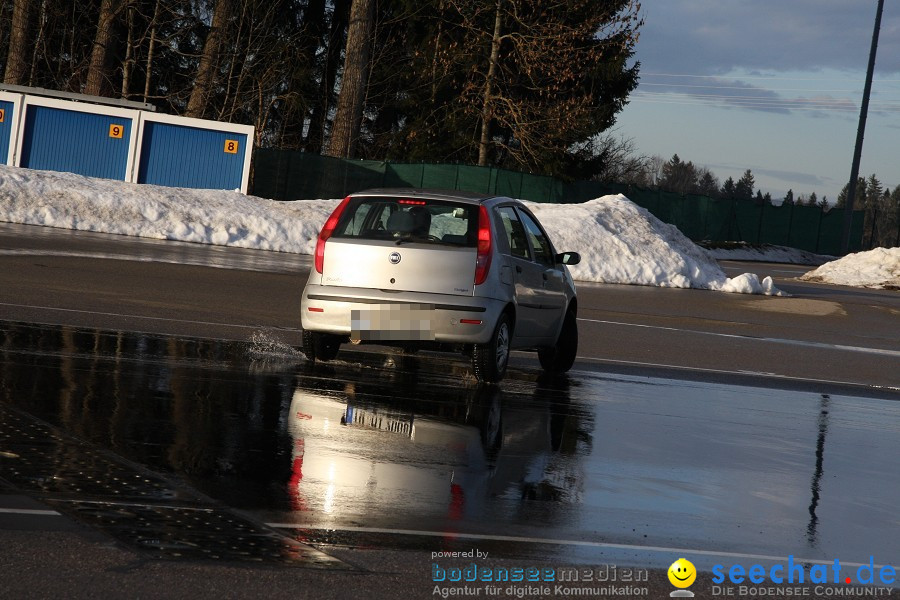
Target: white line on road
<point>868,386</point>
<point>127,316</point>
<point>29,511</point>
<point>536,540</point>
<point>881,351</point>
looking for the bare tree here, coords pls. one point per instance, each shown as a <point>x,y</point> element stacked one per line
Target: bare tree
<point>347,120</point>
<point>205,78</point>
<point>487,113</point>
<point>16,61</point>
<point>98,76</point>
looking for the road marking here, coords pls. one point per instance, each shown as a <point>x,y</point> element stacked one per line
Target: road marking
<point>131,316</point>
<point>868,386</point>
<point>880,351</point>
<point>557,542</point>
<point>29,511</point>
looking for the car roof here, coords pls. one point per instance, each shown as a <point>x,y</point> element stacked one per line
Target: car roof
<point>453,195</point>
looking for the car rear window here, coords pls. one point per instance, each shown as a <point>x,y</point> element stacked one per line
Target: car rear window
<point>409,220</point>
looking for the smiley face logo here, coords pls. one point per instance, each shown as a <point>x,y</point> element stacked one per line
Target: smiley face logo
<point>682,573</point>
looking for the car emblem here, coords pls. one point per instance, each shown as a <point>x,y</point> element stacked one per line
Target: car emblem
<point>394,258</point>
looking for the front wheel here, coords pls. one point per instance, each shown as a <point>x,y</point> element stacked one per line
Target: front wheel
<point>561,357</point>
<point>489,360</point>
<point>320,346</point>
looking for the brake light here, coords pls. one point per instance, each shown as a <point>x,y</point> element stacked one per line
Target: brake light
<point>327,230</point>
<point>413,202</point>
<point>483,259</point>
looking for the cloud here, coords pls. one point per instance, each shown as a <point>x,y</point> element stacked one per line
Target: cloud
<point>711,37</point>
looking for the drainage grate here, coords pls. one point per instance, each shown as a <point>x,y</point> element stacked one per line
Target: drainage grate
<point>40,459</point>
<point>177,532</point>
<point>140,509</point>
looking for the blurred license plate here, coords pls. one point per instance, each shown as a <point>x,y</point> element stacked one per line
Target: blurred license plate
<point>392,322</point>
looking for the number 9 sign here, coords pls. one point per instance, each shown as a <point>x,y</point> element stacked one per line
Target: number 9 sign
<point>116,131</point>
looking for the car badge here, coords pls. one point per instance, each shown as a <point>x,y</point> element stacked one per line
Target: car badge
<point>394,258</point>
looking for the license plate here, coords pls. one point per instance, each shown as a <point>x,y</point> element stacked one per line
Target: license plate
<point>392,322</point>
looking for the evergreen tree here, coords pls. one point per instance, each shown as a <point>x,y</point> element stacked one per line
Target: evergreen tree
<point>743,189</point>
<point>678,176</point>
<point>789,197</point>
<point>728,189</point>
<point>859,200</point>
<point>708,185</point>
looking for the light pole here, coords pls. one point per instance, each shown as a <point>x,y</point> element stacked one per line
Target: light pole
<point>860,132</point>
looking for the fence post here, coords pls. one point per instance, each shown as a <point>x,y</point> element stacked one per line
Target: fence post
<point>790,225</point>
<point>762,210</point>
<point>874,228</point>
<point>819,229</point>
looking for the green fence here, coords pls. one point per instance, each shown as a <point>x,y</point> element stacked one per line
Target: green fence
<point>293,175</point>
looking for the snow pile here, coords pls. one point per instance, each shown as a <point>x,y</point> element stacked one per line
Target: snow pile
<point>206,216</point>
<point>619,242</point>
<point>878,268</point>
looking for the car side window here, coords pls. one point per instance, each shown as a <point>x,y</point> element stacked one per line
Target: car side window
<point>515,232</point>
<point>543,251</point>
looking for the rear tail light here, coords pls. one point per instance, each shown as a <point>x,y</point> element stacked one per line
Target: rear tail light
<point>326,232</point>
<point>483,259</point>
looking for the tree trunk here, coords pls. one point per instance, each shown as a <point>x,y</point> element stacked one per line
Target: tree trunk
<point>205,78</point>
<point>487,112</point>
<point>152,46</point>
<point>128,63</point>
<point>347,120</point>
<point>18,41</point>
<point>315,135</point>
<point>97,74</point>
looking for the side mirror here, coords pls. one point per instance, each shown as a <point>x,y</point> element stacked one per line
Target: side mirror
<point>568,258</point>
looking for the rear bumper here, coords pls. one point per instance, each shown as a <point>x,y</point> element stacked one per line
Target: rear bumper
<point>374,315</point>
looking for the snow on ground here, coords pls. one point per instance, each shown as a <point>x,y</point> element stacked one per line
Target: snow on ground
<point>878,268</point>
<point>619,242</point>
<point>765,253</point>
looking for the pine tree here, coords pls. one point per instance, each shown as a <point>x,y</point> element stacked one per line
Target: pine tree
<point>743,189</point>
<point>789,197</point>
<point>679,176</point>
<point>728,189</point>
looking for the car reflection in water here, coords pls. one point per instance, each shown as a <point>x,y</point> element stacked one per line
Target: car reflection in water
<point>366,454</point>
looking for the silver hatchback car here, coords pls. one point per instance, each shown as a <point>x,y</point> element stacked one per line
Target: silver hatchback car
<point>440,270</point>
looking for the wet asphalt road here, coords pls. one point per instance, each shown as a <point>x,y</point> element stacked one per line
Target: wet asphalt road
<point>381,459</point>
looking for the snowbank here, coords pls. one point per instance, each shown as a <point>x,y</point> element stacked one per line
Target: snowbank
<point>878,268</point>
<point>619,241</point>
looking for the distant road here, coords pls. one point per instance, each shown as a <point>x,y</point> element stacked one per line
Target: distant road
<point>822,337</point>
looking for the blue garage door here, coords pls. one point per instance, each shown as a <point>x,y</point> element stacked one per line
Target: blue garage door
<point>88,144</point>
<point>191,157</point>
<point>7,118</point>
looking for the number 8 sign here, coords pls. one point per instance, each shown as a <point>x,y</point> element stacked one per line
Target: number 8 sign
<point>231,146</point>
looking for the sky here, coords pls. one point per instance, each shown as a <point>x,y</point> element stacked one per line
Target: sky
<point>619,242</point>
<point>774,86</point>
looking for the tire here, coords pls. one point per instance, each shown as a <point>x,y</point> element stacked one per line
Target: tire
<point>489,360</point>
<point>320,346</point>
<point>561,357</point>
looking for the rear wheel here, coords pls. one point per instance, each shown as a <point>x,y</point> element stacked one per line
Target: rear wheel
<point>561,357</point>
<point>320,346</point>
<point>489,360</point>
